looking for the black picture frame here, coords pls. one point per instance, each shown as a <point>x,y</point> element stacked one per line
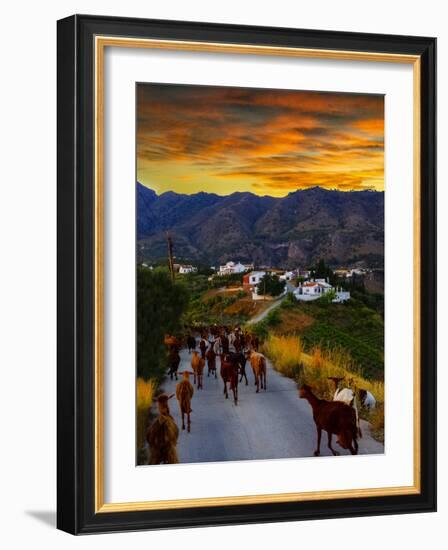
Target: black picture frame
<point>76,255</point>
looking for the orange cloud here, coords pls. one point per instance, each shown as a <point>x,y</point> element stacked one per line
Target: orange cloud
<point>221,139</point>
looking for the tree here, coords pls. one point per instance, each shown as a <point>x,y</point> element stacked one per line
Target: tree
<point>323,271</point>
<point>271,285</point>
<point>328,296</point>
<point>160,305</point>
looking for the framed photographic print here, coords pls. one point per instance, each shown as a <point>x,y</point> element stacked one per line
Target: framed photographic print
<point>246,274</point>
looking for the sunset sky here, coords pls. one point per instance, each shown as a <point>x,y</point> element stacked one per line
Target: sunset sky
<point>269,142</point>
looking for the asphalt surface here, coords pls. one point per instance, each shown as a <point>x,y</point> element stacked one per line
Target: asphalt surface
<point>268,425</point>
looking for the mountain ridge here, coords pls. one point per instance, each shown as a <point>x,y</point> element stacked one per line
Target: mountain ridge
<point>303,226</point>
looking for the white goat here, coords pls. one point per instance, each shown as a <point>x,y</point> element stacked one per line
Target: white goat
<point>347,396</point>
<point>366,399</point>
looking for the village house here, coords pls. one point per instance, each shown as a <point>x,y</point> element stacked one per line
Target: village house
<point>357,271</point>
<point>252,279</point>
<point>234,267</point>
<point>251,282</point>
<point>288,276</point>
<point>183,269</point>
<point>313,290</point>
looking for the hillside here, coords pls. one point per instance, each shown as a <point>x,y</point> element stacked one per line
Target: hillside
<point>343,227</point>
<point>352,326</point>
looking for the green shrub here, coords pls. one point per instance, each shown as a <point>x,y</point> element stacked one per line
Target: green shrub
<point>160,305</point>
<point>271,285</point>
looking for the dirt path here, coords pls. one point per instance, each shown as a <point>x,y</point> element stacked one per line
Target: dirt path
<point>263,314</point>
<point>275,304</point>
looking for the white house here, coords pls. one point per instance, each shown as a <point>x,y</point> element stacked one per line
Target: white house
<point>313,290</point>
<point>253,278</point>
<point>357,271</point>
<point>288,276</point>
<point>234,267</point>
<point>183,269</point>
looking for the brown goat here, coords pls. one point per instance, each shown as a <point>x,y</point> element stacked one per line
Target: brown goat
<point>203,346</point>
<point>173,362</point>
<point>253,341</point>
<point>194,365</point>
<point>162,435</point>
<point>211,361</point>
<point>184,394</point>
<point>229,374</point>
<point>335,418</point>
<point>200,373</point>
<point>198,364</point>
<point>171,341</point>
<point>258,364</point>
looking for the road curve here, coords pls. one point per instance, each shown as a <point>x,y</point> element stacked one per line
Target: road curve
<point>274,305</point>
<point>263,314</point>
<point>271,424</point>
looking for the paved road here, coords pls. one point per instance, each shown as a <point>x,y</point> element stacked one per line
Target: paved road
<point>271,424</point>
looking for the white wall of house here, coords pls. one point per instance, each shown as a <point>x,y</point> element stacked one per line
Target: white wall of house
<point>288,276</point>
<point>231,267</point>
<point>187,269</point>
<point>239,268</point>
<point>316,291</point>
<point>256,276</point>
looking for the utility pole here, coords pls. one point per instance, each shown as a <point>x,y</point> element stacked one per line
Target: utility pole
<point>170,255</point>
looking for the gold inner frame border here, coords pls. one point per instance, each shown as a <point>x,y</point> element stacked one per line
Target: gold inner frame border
<point>101,42</point>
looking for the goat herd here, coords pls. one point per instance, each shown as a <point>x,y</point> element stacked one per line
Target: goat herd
<point>234,347</point>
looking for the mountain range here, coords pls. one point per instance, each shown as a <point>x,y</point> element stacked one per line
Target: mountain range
<point>341,227</point>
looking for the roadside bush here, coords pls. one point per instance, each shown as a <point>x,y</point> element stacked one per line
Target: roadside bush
<point>160,305</point>
<point>289,302</point>
<point>286,353</point>
<point>261,329</point>
<point>144,394</point>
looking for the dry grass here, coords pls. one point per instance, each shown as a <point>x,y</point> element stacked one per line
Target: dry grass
<point>320,364</point>
<point>286,353</point>
<point>247,307</point>
<point>293,321</point>
<point>376,419</point>
<point>145,392</point>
